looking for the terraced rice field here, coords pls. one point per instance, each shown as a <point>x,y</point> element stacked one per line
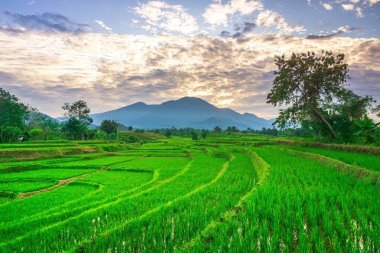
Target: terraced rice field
<point>227,194</point>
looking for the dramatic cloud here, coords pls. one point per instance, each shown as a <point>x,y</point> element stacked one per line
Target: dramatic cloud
<point>159,15</point>
<point>218,14</point>
<point>110,70</point>
<point>339,31</point>
<point>268,18</point>
<point>46,22</point>
<point>103,25</point>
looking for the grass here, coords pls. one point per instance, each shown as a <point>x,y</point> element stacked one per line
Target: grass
<point>221,194</point>
<point>308,207</point>
<point>368,161</point>
<point>26,185</point>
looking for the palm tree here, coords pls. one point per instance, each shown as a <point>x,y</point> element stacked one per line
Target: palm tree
<point>368,129</point>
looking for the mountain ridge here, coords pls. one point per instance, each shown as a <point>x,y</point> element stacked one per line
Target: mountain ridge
<point>184,112</point>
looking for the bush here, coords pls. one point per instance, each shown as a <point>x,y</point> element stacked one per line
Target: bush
<point>36,133</point>
<point>131,139</point>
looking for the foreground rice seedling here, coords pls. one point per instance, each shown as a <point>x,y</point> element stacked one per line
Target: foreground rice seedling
<point>223,195</point>
<point>302,206</point>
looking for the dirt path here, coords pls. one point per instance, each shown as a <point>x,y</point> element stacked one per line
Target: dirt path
<point>61,183</point>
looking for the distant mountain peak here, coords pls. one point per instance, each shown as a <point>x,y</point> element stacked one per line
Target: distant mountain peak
<point>188,100</point>
<point>138,104</point>
<point>195,99</point>
<point>188,103</point>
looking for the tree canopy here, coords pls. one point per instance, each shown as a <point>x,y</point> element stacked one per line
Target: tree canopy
<point>78,110</point>
<point>13,114</point>
<point>313,88</point>
<point>78,119</point>
<point>109,126</point>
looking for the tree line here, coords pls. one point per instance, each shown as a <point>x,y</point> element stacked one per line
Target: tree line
<point>20,122</point>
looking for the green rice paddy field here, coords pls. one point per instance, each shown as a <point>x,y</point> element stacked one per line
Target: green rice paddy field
<point>225,194</point>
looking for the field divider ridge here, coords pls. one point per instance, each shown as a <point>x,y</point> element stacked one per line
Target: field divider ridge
<point>61,183</point>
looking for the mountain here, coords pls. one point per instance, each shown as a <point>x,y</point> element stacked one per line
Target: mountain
<point>36,116</point>
<point>184,112</point>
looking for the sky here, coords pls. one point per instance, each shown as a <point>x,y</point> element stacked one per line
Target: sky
<point>112,53</point>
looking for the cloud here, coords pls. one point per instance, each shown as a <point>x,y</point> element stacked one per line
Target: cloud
<point>159,15</point>
<point>268,18</point>
<point>348,7</point>
<point>351,7</point>
<point>234,11</point>
<point>327,6</point>
<point>339,31</point>
<point>46,22</point>
<point>6,77</point>
<point>218,14</point>
<point>359,12</point>
<point>225,34</point>
<point>103,25</point>
<point>112,70</point>
<point>356,6</point>
<point>240,30</point>
<point>372,2</point>
<point>247,27</point>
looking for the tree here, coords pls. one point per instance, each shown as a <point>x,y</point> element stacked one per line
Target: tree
<point>78,110</point>
<point>51,129</point>
<point>376,110</point>
<point>100,135</point>
<point>204,133</point>
<point>350,108</point>
<point>194,136</point>
<point>368,129</point>
<point>131,139</point>
<point>167,133</point>
<point>306,82</point>
<point>49,126</point>
<point>74,129</point>
<point>10,133</point>
<point>109,126</point>
<point>36,133</point>
<point>13,114</point>
<point>217,129</point>
<point>78,119</point>
<point>232,129</point>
